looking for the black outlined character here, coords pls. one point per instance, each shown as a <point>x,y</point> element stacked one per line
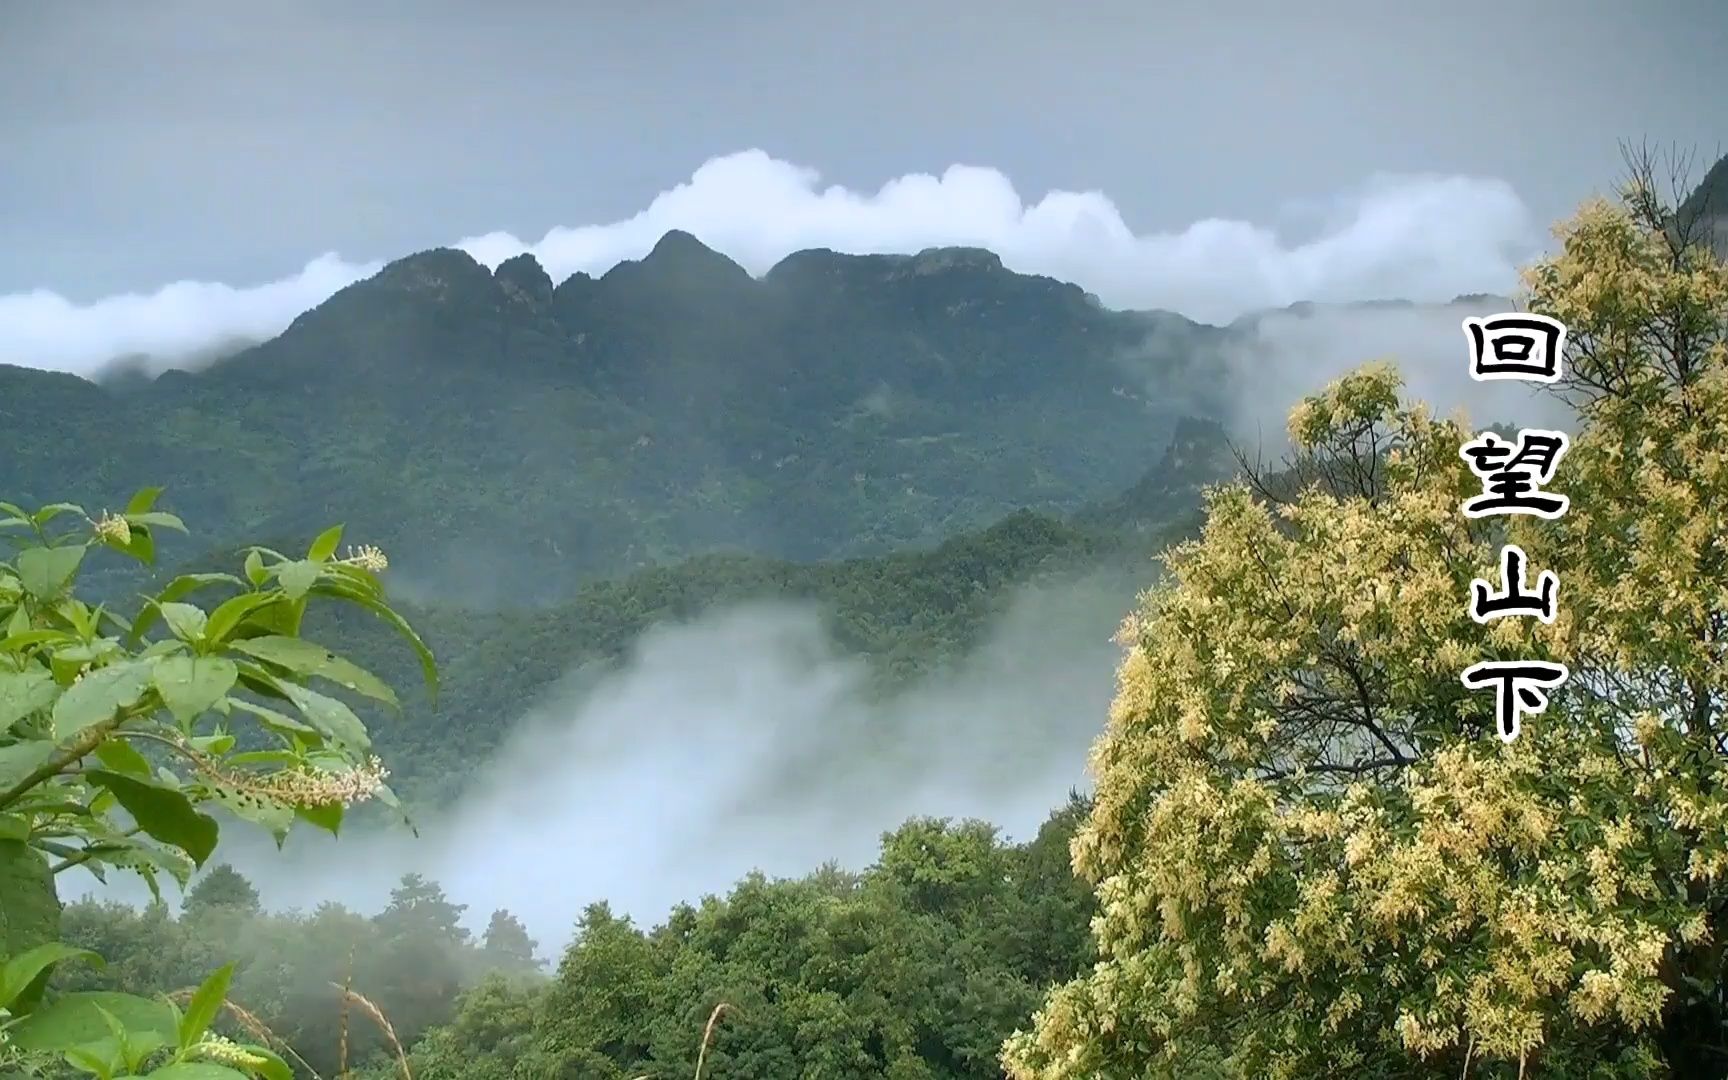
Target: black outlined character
<point>1486,604</point>
<point>1512,482</point>
<point>1518,686</point>
<point>1515,346</point>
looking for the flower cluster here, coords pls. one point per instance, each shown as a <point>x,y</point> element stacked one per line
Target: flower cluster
<point>225,1051</point>
<point>367,557</point>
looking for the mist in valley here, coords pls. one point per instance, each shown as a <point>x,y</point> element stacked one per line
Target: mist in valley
<point>741,740</point>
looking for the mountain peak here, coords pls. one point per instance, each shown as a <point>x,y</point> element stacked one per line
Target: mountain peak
<point>437,268</point>
<point>681,259</point>
<point>522,277</point>
<point>935,260</point>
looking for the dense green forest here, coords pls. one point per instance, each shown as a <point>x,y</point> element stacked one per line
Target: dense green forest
<point>918,966</point>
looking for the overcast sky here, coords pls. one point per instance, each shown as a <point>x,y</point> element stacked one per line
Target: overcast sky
<point>146,143</point>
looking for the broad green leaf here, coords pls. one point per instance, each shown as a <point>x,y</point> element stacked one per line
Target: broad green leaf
<point>428,666</point>
<point>14,827</point>
<point>313,660</point>
<point>25,692</point>
<point>297,577</point>
<point>281,723</point>
<point>274,1068</point>
<point>325,546</point>
<point>333,719</point>
<point>143,500</point>
<point>77,613</point>
<point>328,818</point>
<point>99,694</point>
<point>30,914</point>
<point>101,1059</point>
<point>196,1070</point>
<point>283,758</point>
<point>45,571</point>
<point>164,813</point>
<point>182,586</point>
<point>120,756</point>
<point>18,760</point>
<point>255,572</point>
<point>144,859</point>
<point>269,814</point>
<point>190,685</point>
<point>158,520</point>
<point>75,1019</point>
<point>206,1002</point>
<point>232,612</point>
<point>214,745</point>
<point>53,510</point>
<point>21,970</point>
<point>68,663</point>
<point>360,580</point>
<point>185,621</point>
<point>20,640</point>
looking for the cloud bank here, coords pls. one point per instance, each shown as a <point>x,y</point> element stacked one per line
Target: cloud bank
<point>1415,238</point>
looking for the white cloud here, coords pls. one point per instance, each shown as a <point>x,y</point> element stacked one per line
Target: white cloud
<point>1421,238</point>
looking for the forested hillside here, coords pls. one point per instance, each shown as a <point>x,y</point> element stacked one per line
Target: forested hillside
<point>841,405</point>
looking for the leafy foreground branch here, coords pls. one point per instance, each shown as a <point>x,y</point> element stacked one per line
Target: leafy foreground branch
<point>119,738</point>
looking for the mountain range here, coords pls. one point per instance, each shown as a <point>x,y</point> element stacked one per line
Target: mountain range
<point>506,436</point>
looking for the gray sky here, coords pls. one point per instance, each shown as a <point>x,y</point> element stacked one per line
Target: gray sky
<point>151,142</point>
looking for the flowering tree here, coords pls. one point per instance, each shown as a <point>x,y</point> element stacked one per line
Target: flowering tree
<point>118,736</point>
<point>1313,855</point>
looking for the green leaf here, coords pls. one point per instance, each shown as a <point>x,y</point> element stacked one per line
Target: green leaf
<point>25,692</point>
<point>75,1019</point>
<point>232,612</point>
<point>100,1059</point>
<point>158,520</point>
<point>120,756</point>
<point>255,572</point>
<point>182,586</point>
<point>190,685</point>
<point>315,661</point>
<point>325,546</point>
<point>206,1002</point>
<point>14,827</point>
<point>53,510</point>
<point>18,641</point>
<point>45,571</point>
<point>274,1068</point>
<point>196,1070</point>
<point>144,859</point>
<point>30,915</point>
<point>333,719</point>
<point>165,813</point>
<point>143,500</point>
<point>428,666</point>
<point>20,759</point>
<point>281,723</point>
<point>269,814</point>
<point>99,694</point>
<point>21,970</point>
<point>185,621</point>
<point>297,577</point>
<point>327,817</point>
